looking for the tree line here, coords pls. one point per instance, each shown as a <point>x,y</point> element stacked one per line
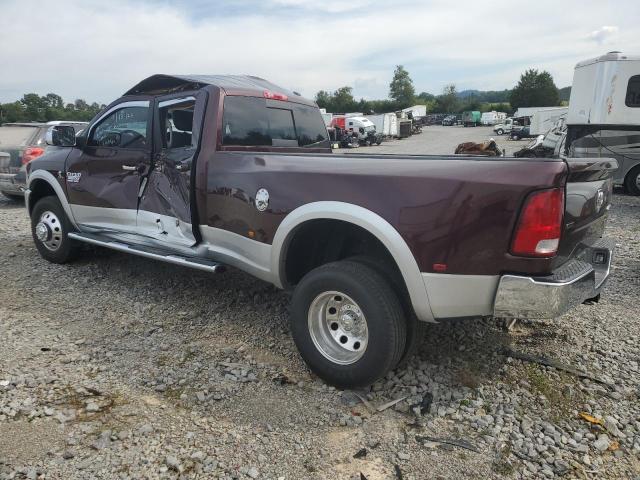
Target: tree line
<point>534,89</point>
<point>35,108</point>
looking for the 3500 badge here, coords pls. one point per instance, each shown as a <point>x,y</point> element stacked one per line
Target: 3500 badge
<point>73,177</point>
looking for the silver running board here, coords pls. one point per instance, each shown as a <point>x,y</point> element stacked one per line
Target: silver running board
<point>148,252</point>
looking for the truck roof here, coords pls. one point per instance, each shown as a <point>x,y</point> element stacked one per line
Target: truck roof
<point>232,84</point>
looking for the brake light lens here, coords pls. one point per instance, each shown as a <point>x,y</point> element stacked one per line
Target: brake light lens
<point>540,224</point>
<point>275,96</point>
<point>31,153</point>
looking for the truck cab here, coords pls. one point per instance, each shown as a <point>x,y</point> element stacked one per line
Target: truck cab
<point>360,127</point>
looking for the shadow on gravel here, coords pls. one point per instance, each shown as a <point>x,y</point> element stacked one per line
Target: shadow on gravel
<point>11,203</point>
<point>470,349</point>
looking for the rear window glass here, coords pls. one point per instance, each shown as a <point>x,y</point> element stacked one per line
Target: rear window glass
<point>633,92</point>
<point>252,121</point>
<point>16,136</point>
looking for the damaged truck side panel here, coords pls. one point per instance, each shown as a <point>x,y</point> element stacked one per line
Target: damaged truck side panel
<point>227,170</point>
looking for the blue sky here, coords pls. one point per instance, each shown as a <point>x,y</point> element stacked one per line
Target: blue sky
<point>96,50</point>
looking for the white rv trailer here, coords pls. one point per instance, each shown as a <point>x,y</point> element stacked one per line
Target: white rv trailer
<point>492,118</point>
<point>604,114</point>
<point>606,91</point>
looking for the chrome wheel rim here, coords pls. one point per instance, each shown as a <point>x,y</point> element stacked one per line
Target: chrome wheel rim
<point>48,231</point>
<point>638,180</point>
<point>338,327</point>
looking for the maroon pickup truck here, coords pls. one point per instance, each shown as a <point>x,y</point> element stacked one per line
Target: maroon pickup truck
<point>208,171</point>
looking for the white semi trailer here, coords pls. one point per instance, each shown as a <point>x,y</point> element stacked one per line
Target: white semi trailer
<point>386,123</point>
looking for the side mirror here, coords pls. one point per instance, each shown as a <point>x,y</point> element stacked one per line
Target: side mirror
<point>61,136</point>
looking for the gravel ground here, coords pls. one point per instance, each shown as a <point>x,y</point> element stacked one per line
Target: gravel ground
<point>119,367</point>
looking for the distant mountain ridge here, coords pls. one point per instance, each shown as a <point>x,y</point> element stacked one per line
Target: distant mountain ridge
<point>499,96</point>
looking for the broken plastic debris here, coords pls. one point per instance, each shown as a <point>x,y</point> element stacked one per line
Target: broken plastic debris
<point>391,403</point>
<point>591,418</point>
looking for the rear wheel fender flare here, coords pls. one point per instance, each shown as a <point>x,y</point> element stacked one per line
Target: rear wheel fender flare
<point>370,221</point>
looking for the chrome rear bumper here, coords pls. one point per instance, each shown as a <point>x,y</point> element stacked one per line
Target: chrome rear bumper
<point>551,296</point>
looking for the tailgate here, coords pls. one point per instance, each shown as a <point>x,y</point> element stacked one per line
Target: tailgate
<point>10,160</point>
<point>13,140</point>
<point>588,198</point>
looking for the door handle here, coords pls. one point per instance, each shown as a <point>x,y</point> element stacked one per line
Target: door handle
<point>130,168</point>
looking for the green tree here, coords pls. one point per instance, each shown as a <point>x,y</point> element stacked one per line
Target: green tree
<point>343,99</point>
<point>401,87</point>
<point>425,97</point>
<point>340,101</point>
<point>34,108</point>
<point>535,89</point>
<point>53,101</point>
<point>12,112</point>
<point>323,99</point>
<point>448,102</point>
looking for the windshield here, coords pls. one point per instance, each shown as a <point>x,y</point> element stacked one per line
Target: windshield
<point>16,136</point>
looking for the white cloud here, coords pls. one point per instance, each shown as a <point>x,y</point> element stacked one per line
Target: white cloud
<point>603,34</point>
<point>97,50</point>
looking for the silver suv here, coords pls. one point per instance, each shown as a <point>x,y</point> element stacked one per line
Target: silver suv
<point>19,144</point>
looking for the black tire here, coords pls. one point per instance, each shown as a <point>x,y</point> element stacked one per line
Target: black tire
<point>65,249</point>
<point>631,181</point>
<point>384,318</point>
<point>416,329</point>
<point>500,131</point>
<point>13,197</point>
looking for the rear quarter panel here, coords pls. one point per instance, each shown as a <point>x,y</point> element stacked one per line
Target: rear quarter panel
<point>451,210</point>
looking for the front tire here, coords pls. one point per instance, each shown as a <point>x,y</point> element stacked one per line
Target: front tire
<point>348,324</point>
<point>632,181</point>
<point>50,228</point>
<point>500,131</point>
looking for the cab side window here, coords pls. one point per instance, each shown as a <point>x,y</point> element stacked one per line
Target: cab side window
<point>633,92</point>
<point>176,122</point>
<point>124,128</point>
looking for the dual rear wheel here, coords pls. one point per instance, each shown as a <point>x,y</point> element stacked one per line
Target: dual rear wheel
<point>349,324</point>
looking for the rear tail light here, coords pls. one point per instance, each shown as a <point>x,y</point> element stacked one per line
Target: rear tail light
<point>540,224</point>
<point>31,153</point>
<point>275,96</point>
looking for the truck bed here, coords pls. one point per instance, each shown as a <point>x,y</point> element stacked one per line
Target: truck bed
<point>454,210</point>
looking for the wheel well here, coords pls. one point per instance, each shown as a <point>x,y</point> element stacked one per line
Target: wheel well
<point>632,171</point>
<point>629,180</point>
<point>39,189</point>
<point>321,241</point>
